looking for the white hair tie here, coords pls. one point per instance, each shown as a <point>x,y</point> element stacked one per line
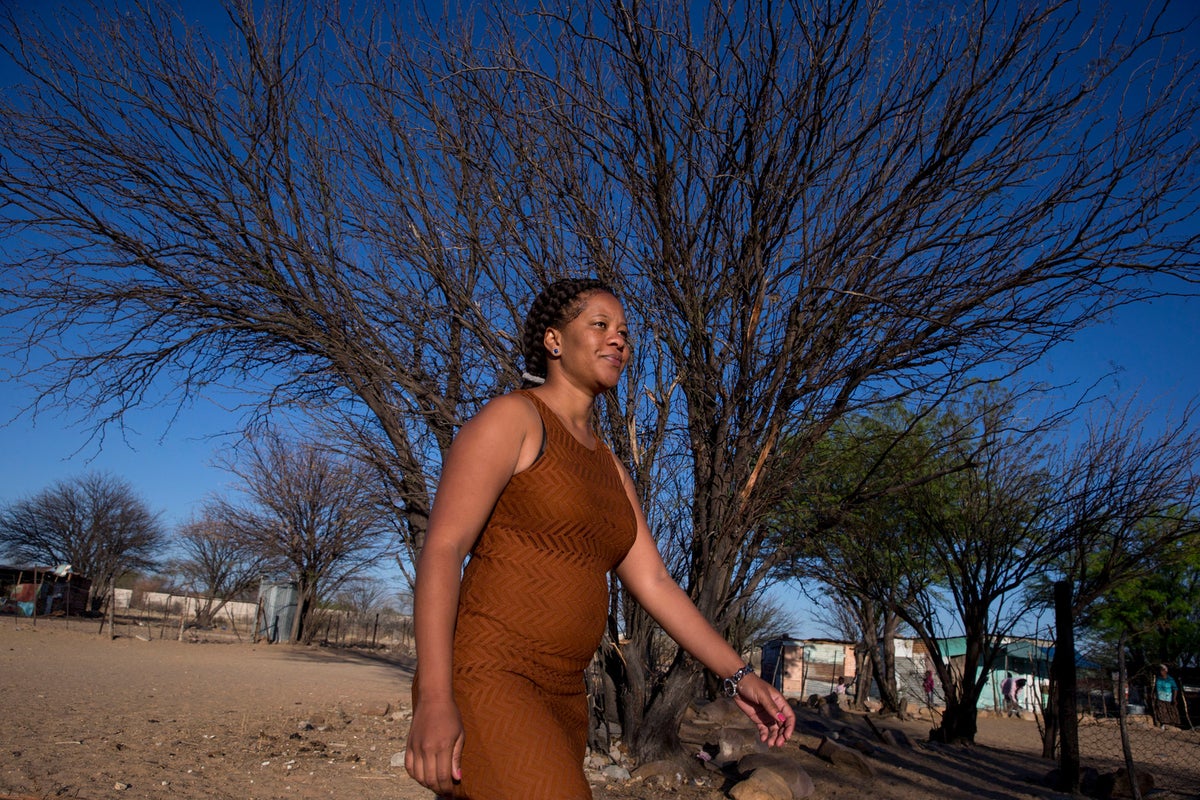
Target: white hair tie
<point>528,376</point>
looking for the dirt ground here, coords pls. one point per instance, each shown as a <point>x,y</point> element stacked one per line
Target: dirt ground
<point>88,716</point>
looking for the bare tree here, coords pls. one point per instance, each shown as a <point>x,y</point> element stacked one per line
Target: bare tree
<point>311,510</point>
<point>217,563</point>
<point>808,207</point>
<point>1020,513</point>
<point>1131,497</point>
<point>363,595</point>
<point>96,523</point>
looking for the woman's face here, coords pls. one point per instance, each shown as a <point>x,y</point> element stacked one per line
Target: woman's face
<point>594,346</point>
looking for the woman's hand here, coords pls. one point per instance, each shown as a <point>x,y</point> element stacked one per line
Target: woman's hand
<point>433,754</point>
<point>763,703</point>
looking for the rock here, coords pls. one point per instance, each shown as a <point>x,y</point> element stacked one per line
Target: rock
<point>896,738</point>
<point>841,756</point>
<point>664,772</point>
<point>763,784</point>
<point>816,726</point>
<point>1117,784</point>
<point>721,713</point>
<point>397,759</point>
<point>615,772</point>
<point>1089,781</point>
<point>696,734</point>
<point>377,709</point>
<point>733,743</point>
<point>799,783</point>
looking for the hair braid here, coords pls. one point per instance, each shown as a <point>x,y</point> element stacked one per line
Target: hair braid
<point>558,304</point>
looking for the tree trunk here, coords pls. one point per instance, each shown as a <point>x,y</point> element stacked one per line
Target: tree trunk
<point>658,734</point>
<point>1050,719</point>
<point>301,630</point>
<point>959,722</point>
<point>885,665</point>
<point>864,664</point>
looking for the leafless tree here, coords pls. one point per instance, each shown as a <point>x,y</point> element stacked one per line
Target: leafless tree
<point>1131,496</point>
<point>363,595</point>
<point>311,510</point>
<point>217,564</point>
<point>1022,512</point>
<point>96,523</point>
<point>807,206</point>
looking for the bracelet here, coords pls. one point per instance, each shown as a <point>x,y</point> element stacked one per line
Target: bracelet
<point>731,683</point>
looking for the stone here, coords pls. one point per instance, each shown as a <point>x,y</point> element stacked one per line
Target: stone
<point>763,784</point>
<point>615,772</point>
<point>1117,784</point>
<point>397,759</point>
<point>722,713</point>
<point>379,708</point>
<point>845,757</point>
<point>663,772</point>
<point>696,734</point>
<point>799,782</point>
<point>896,738</point>
<point>733,743</point>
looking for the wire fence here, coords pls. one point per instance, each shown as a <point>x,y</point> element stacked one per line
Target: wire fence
<point>1154,745</point>
<point>157,615</point>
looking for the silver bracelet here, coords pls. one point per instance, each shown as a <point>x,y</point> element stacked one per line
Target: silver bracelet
<point>731,683</point>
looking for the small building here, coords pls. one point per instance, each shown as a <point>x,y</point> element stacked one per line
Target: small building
<point>43,591</point>
<point>1022,658</point>
<point>278,604</point>
<point>804,667</point>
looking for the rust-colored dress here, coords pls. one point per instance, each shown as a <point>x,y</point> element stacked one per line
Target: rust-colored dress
<point>531,613</point>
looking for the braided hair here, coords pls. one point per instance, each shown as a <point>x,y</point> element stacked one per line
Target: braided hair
<point>558,304</point>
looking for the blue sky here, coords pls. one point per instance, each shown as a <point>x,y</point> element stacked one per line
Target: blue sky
<point>1152,349</point>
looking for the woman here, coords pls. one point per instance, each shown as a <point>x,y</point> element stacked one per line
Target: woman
<point>1166,698</point>
<point>545,511</point>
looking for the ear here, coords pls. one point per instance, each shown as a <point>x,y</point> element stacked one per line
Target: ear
<point>552,340</point>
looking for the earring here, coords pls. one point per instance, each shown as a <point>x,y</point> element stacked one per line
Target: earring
<point>555,351</point>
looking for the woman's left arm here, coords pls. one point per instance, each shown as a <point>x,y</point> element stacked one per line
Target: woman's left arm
<point>645,575</point>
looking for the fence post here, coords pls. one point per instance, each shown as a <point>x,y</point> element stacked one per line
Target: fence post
<point>112,608</point>
<point>1126,749</point>
<point>1064,670</point>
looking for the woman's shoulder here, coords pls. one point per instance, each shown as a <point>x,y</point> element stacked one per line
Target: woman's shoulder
<point>514,408</point>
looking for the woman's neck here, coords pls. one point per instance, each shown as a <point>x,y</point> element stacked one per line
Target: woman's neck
<point>572,405</point>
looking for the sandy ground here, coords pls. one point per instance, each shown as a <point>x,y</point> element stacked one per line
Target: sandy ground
<point>88,716</point>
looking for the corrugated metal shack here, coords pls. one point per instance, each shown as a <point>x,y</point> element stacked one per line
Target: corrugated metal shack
<point>803,667</point>
<point>42,591</point>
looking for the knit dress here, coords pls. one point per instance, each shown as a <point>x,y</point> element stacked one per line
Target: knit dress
<point>531,612</point>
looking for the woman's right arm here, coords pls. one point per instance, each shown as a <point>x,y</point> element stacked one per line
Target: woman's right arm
<point>503,439</point>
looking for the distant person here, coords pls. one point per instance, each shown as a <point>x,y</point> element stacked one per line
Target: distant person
<point>839,692</point>
<point>1018,687</point>
<point>1008,689</point>
<point>927,685</point>
<point>1166,699</point>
